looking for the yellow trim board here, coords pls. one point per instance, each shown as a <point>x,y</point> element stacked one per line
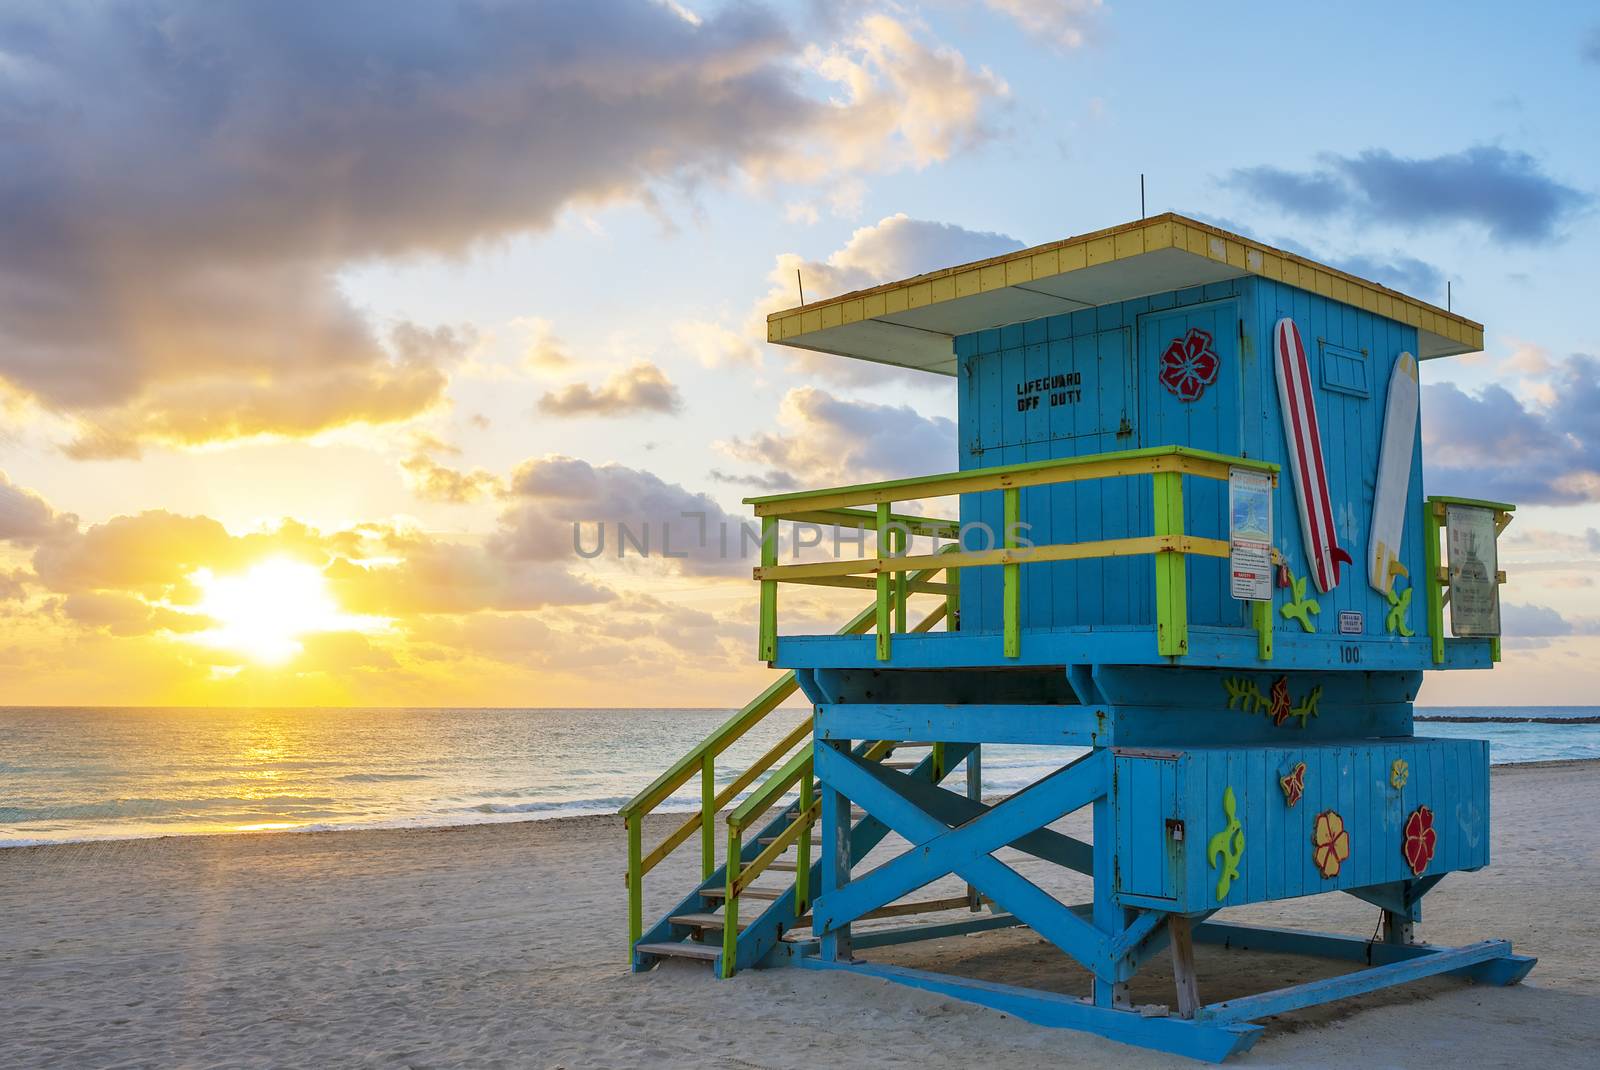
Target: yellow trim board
<point>910,323</point>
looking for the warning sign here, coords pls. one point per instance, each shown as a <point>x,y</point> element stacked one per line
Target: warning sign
<point>1250,535</point>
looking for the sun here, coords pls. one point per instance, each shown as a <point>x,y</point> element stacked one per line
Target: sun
<point>263,611</point>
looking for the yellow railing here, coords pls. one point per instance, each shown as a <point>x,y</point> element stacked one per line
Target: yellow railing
<point>702,760</point>
<point>1167,465</point>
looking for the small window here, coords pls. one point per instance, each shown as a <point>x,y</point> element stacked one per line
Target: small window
<point>1344,371</point>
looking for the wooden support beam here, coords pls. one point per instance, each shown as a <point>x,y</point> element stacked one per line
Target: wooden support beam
<point>1183,975</point>
<point>1212,1042</point>
<point>835,854</point>
<point>1329,989</point>
<point>939,849</point>
<point>1066,726</point>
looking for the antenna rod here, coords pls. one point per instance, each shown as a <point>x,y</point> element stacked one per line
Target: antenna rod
<point>1141,194</point>
<point>1447,296</point>
<point>800,285</point>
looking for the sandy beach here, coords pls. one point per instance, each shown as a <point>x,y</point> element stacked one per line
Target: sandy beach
<point>502,946</point>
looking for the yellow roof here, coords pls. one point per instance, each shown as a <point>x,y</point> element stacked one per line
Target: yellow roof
<point>910,323</point>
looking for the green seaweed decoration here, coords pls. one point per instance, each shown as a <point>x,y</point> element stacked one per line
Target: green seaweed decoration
<point>1399,610</point>
<point>1244,695</point>
<point>1301,608</point>
<point>1306,708</point>
<point>1228,844</point>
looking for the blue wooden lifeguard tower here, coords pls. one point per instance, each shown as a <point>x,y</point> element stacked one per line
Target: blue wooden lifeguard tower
<point>1191,524</point>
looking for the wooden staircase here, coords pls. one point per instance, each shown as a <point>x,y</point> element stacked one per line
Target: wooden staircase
<point>766,914</point>
<point>762,916</point>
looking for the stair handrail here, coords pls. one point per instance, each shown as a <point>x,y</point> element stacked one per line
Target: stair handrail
<point>703,758</point>
<point>739,875</point>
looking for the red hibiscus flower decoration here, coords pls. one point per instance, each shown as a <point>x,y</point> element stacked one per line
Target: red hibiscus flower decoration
<point>1189,365</point>
<point>1420,840</point>
<point>1279,707</point>
<point>1293,783</point>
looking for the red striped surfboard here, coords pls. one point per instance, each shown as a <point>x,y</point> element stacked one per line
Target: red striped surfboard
<point>1305,457</point>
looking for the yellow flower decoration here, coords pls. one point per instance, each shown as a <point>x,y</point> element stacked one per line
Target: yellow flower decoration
<point>1332,843</point>
<point>1399,773</point>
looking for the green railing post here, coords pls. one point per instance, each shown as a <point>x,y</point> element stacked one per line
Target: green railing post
<point>802,863</point>
<point>1261,616</point>
<point>952,600</point>
<point>1012,587</point>
<point>1432,512</point>
<point>635,880</point>
<point>883,624</point>
<point>708,816</point>
<point>902,589</point>
<point>1172,589</point>
<point>769,591</point>
<point>730,903</point>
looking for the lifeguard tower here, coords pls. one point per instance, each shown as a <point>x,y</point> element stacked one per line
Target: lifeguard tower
<point>1193,546</point>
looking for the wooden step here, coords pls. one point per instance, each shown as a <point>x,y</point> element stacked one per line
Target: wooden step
<point>767,841</point>
<point>704,921</point>
<point>856,813</point>
<point>686,950</point>
<point>768,894</point>
<point>780,866</point>
<point>895,763</point>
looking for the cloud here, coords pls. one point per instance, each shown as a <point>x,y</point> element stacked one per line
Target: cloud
<point>557,504</point>
<point>829,441</point>
<point>895,247</point>
<point>1506,192</point>
<point>714,345</point>
<point>903,103</point>
<point>28,519</point>
<point>641,387</point>
<point>124,615</point>
<point>419,574</point>
<point>435,482</point>
<point>1531,621</point>
<point>772,481</point>
<point>1064,23</point>
<point>1528,626</point>
<point>184,182</point>
<point>13,585</point>
<point>1398,272</point>
<point>1493,444</point>
<point>544,351</point>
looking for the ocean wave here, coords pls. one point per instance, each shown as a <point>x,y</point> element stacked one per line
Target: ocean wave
<point>609,804</point>
<point>381,778</point>
<point>156,809</point>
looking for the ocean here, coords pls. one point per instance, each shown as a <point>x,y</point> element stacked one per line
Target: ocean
<point>104,774</point>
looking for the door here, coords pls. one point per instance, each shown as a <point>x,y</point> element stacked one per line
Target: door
<point>1189,365</point>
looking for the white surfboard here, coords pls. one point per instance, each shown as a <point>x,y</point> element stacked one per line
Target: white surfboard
<point>1394,476</point>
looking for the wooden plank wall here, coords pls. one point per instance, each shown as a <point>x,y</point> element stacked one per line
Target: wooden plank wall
<point>1451,776</point>
<point>1239,413</point>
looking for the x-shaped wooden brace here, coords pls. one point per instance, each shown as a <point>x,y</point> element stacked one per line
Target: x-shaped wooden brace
<point>965,849</point>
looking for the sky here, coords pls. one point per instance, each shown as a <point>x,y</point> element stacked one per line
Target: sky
<point>321,325</point>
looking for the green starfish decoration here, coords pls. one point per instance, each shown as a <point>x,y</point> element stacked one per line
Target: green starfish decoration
<point>1301,608</point>
<point>1399,609</point>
